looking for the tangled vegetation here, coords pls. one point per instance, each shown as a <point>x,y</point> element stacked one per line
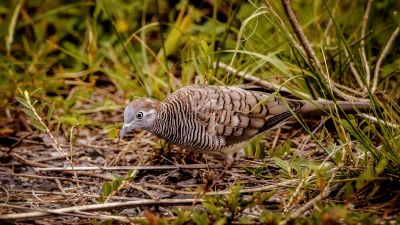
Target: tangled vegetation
<point>67,69</point>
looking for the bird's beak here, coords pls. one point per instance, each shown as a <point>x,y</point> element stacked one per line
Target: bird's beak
<point>124,130</point>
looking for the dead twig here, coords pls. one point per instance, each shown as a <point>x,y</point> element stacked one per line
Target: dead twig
<point>323,194</point>
<point>363,54</point>
<point>19,141</point>
<point>26,161</point>
<point>147,192</point>
<point>295,196</point>
<point>382,57</point>
<point>93,207</point>
<point>161,167</point>
<point>46,159</point>
<point>356,74</point>
<point>53,193</point>
<point>170,190</point>
<point>311,203</point>
<point>42,165</point>
<point>378,120</point>
<point>258,81</point>
<point>124,219</point>
<point>277,135</point>
<point>71,149</point>
<point>34,176</point>
<point>227,192</point>
<point>7,198</point>
<point>59,185</point>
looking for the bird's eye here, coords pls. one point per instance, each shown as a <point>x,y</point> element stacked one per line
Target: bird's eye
<point>139,115</point>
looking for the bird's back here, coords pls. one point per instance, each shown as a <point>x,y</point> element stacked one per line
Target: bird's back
<point>214,118</point>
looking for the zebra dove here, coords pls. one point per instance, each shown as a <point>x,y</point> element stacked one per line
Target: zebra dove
<point>218,118</point>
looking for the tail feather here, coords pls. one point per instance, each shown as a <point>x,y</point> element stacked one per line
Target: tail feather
<point>321,106</point>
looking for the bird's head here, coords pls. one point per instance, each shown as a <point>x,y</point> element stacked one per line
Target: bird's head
<point>139,114</point>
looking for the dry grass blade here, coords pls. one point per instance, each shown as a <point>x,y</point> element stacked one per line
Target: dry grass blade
<point>11,27</point>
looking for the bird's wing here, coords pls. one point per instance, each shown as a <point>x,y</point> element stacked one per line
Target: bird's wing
<point>237,114</point>
<point>267,90</point>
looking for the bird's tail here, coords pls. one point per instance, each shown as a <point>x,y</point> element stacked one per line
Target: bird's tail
<point>325,106</point>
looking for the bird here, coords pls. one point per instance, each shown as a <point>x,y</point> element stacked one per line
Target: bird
<point>220,119</point>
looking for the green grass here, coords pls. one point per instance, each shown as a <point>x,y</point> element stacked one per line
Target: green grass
<point>86,57</point>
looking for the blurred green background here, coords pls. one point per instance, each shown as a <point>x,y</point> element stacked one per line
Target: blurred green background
<point>72,51</point>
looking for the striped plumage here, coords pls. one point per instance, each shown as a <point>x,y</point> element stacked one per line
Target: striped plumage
<point>216,118</point>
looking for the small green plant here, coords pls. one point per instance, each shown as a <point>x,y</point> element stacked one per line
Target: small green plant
<point>255,149</point>
<point>332,213</point>
<point>110,188</point>
<point>223,209</point>
<point>34,110</point>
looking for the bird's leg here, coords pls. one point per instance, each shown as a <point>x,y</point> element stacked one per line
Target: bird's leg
<point>230,158</point>
<point>233,156</point>
<point>228,161</point>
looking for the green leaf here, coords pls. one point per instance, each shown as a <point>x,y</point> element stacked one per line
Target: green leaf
<point>284,165</point>
<point>30,113</point>
<point>217,211</point>
<point>112,133</point>
<point>255,149</point>
<point>106,189</point>
<point>27,97</point>
<point>203,48</point>
<point>131,174</point>
<point>104,222</point>
<point>38,125</point>
<point>23,102</point>
<point>263,197</point>
<point>348,190</point>
<point>245,220</point>
<point>348,125</point>
<point>282,150</point>
<point>233,199</point>
<point>116,184</point>
<point>365,177</point>
<point>268,217</point>
<point>381,166</point>
<point>200,218</point>
<point>221,221</point>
